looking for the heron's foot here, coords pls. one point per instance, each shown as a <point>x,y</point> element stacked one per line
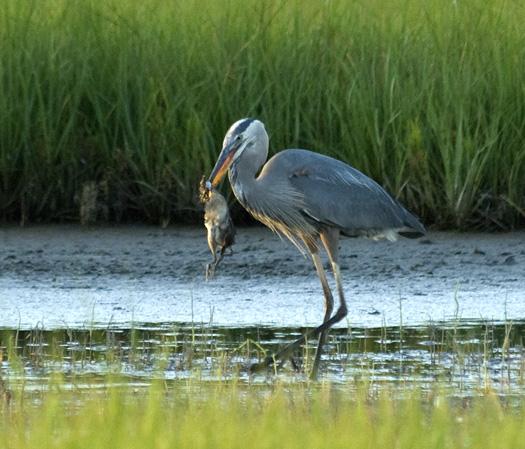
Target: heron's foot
<point>261,366</point>
<point>272,362</point>
<point>280,358</point>
<point>288,350</point>
<point>296,364</point>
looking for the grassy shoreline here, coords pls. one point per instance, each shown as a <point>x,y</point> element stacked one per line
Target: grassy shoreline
<point>235,417</point>
<point>114,110</point>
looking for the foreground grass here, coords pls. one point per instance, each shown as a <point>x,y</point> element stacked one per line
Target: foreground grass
<point>97,395</point>
<point>229,416</point>
<point>117,108</point>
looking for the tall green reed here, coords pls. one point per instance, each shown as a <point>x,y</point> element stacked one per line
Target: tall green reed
<point>427,98</point>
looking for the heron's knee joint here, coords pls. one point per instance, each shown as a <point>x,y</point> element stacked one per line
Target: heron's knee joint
<point>342,311</point>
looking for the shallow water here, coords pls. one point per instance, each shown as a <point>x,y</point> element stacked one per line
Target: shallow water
<point>68,276</point>
<point>467,358</point>
<point>130,299</point>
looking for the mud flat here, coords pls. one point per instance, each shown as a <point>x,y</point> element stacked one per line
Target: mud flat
<point>73,277</point>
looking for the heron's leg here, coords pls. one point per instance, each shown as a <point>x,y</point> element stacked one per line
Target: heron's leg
<point>320,331</point>
<point>329,307</point>
<point>330,239</point>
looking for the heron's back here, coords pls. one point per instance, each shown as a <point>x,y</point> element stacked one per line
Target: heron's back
<point>334,194</point>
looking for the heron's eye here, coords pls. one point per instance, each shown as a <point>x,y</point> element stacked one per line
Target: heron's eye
<point>238,138</point>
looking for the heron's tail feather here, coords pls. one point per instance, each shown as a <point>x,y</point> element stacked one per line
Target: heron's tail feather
<point>413,227</point>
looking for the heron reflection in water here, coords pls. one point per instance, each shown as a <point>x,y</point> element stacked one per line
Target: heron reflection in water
<point>311,199</point>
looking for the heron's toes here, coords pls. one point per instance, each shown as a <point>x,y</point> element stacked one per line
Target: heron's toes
<point>261,366</point>
<point>296,364</point>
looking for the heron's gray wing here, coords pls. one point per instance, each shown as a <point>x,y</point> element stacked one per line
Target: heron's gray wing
<point>337,194</point>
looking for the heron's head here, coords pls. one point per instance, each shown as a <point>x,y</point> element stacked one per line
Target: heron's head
<point>241,136</point>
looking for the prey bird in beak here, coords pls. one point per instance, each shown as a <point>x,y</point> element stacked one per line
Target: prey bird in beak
<point>221,232</point>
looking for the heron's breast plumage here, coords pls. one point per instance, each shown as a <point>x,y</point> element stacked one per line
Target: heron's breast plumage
<point>272,200</point>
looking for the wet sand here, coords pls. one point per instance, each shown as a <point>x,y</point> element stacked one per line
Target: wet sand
<point>69,276</point>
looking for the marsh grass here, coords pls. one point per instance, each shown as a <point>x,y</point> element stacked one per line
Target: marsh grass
<point>133,98</point>
<point>232,416</point>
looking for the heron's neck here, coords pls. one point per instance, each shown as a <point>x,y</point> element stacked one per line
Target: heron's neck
<point>243,178</point>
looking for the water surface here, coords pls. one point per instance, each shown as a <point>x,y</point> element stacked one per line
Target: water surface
<point>133,301</point>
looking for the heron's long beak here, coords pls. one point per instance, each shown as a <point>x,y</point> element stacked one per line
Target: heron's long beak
<point>221,166</point>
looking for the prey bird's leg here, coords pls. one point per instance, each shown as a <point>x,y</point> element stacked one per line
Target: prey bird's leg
<point>221,255</point>
<point>210,268</point>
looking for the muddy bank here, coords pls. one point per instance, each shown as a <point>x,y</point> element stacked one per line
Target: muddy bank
<point>68,276</point>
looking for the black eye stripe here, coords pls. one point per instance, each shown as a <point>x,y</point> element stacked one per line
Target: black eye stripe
<point>241,127</point>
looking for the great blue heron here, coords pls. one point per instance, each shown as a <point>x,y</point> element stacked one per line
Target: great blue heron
<point>311,199</point>
<point>221,232</point>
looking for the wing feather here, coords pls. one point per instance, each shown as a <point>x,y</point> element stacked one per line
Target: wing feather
<point>336,194</point>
